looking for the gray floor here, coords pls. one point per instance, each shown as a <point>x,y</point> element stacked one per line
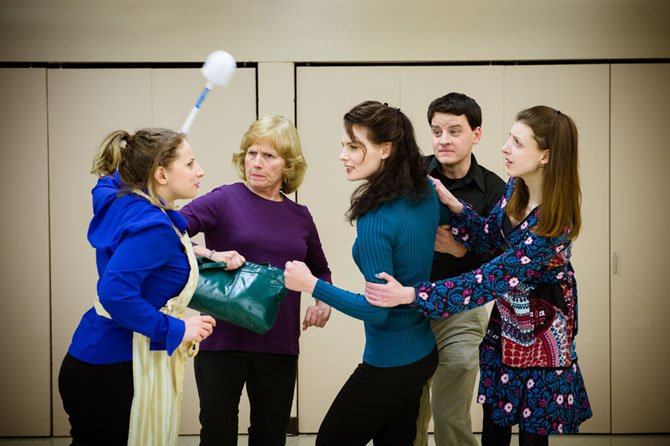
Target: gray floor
<point>308,440</point>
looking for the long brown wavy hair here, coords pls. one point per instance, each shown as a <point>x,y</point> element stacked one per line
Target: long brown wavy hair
<point>404,172</point>
<point>561,193</point>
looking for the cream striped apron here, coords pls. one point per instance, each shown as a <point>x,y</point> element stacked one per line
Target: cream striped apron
<point>158,379</point>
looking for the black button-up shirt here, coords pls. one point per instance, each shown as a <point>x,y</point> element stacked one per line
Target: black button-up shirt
<point>482,189</point>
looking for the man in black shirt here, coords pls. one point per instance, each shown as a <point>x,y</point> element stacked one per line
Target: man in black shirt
<point>455,122</point>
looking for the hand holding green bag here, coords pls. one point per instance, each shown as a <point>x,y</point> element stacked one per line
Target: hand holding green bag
<point>248,296</point>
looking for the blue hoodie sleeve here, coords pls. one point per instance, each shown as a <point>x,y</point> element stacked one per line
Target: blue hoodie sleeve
<point>121,292</point>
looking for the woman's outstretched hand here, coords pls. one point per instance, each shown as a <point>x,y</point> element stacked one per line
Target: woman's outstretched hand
<point>297,277</point>
<point>389,294</point>
<point>446,197</point>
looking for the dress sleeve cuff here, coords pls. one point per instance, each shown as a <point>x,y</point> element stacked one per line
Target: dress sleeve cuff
<point>175,334</point>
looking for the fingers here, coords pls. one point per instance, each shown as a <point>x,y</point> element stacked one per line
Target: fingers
<point>298,277</point>
<point>233,260</point>
<point>384,276</point>
<point>374,288</point>
<point>209,319</point>
<point>316,316</point>
<point>205,327</point>
<point>311,318</point>
<point>373,293</point>
<point>373,298</point>
<point>294,264</point>
<point>444,230</point>
<point>322,317</point>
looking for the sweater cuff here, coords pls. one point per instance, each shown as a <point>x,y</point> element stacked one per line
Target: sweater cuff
<point>321,291</point>
<point>175,334</point>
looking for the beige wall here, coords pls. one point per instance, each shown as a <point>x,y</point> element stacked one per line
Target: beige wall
<point>640,210</point>
<point>326,30</point>
<point>25,332</point>
<point>82,104</point>
<point>52,119</point>
<point>581,91</point>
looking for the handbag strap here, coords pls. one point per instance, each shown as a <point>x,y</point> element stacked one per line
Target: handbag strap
<point>222,265</point>
<point>212,265</point>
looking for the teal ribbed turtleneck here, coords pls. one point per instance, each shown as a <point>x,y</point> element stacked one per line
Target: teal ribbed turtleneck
<point>397,238</point>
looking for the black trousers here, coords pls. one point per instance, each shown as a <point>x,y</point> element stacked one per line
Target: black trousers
<point>379,404</point>
<point>97,399</point>
<point>270,380</point>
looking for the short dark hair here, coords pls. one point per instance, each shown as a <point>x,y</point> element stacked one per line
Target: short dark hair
<point>457,104</point>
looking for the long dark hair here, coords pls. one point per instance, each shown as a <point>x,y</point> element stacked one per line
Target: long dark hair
<point>403,173</point>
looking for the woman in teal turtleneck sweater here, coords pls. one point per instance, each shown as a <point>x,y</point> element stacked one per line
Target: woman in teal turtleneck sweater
<point>396,213</point>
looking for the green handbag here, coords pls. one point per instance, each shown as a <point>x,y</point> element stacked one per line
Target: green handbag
<point>248,296</point>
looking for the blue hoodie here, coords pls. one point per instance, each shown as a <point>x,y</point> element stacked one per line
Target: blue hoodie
<point>141,265</point>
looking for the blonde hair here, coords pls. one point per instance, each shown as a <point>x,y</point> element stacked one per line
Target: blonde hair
<point>282,134</point>
<point>136,157</point>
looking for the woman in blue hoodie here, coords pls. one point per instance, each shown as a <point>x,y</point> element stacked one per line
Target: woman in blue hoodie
<point>127,354</point>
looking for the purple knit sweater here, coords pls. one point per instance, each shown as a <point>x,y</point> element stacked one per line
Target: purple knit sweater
<point>231,217</point>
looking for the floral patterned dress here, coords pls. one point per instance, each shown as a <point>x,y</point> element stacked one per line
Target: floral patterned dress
<point>528,361</point>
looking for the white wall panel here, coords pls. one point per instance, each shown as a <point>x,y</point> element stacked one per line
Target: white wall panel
<point>84,106</point>
<point>420,86</point>
<point>324,95</point>
<point>639,219</point>
<point>581,91</point>
<point>342,31</point>
<point>25,375</point>
<point>223,118</point>
<point>502,92</point>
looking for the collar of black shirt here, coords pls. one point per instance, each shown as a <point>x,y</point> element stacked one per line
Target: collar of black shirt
<point>474,174</point>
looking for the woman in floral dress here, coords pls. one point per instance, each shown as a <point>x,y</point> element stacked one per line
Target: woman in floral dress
<point>529,370</point>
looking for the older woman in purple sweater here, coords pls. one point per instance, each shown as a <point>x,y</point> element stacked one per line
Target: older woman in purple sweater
<point>236,221</point>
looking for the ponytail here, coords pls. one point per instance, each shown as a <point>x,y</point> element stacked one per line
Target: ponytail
<point>108,158</point>
<point>136,157</point>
